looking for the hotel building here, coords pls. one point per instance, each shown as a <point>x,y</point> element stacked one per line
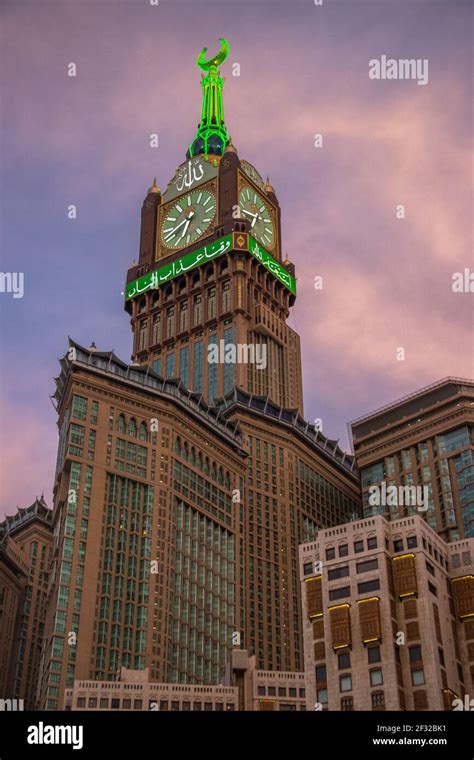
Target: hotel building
<point>424,440</point>
<point>388,616</point>
<point>27,541</point>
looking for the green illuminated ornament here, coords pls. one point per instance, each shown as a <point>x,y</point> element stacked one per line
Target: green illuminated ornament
<point>212,137</point>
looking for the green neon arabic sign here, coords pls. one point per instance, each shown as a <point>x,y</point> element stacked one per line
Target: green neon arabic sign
<point>157,277</point>
<point>272,265</point>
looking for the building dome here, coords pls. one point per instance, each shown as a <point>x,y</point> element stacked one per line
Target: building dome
<point>154,188</point>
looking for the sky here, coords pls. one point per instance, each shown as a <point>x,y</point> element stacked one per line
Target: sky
<point>304,70</point>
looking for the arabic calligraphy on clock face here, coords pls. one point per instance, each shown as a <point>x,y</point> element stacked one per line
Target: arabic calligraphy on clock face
<point>255,209</point>
<point>188,219</point>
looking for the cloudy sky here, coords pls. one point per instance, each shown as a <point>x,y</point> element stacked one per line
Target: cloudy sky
<point>303,71</point>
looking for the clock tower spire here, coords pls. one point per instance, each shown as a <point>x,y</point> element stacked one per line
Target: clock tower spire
<point>212,137</point>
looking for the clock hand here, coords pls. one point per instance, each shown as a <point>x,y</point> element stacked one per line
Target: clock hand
<point>188,222</point>
<point>171,232</point>
<point>255,217</point>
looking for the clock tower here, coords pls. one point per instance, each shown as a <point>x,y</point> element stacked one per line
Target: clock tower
<point>211,292</point>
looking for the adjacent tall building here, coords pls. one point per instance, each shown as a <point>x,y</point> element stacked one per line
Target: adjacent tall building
<point>27,540</point>
<point>423,441</point>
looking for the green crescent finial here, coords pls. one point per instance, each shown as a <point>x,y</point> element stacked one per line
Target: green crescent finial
<point>212,137</point>
<point>217,60</point>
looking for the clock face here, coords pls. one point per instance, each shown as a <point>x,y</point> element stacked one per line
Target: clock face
<point>188,218</point>
<point>256,210</point>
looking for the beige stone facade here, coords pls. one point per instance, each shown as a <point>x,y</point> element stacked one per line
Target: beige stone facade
<point>388,616</point>
<point>244,688</point>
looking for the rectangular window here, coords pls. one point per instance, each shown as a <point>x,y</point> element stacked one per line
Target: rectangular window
<point>228,367</point>
<point>418,677</point>
<point>338,572</point>
<point>322,696</point>
<point>198,359</point>
<point>211,303</point>
<point>197,309</point>
<point>184,365</point>
<point>170,322</point>
<point>212,374</point>
<point>376,678</point>
<point>369,564</point>
<point>366,586</point>
<point>372,474</point>
<point>79,407</point>
<point>142,342</point>
<point>343,550</point>
<point>415,653</point>
<point>156,329</point>
<point>373,653</point>
<point>320,673</point>
<point>170,364</point>
<point>225,297</point>
<point>372,543</point>
<point>344,661</point>
<point>339,593</point>
<point>378,699</point>
<point>358,547</point>
<point>345,683</point>
<point>330,553</point>
<point>183,317</point>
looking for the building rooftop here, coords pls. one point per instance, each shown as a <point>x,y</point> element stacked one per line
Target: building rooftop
<point>39,510</point>
<point>328,448</point>
<point>108,364</point>
<point>409,405</point>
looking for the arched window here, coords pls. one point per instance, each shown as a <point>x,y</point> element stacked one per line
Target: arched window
<point>199,461</point>
<point>121,428</point>
<point>185,452</point>
<point>177,446</point>
<point>132,428</point>
<point>214,471</point>
<point>143,433</point>
<point>220,476</point>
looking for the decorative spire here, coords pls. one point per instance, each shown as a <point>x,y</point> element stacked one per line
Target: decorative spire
<point>154,188</point>
<point>268,187</point>
<point>212,136</point>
